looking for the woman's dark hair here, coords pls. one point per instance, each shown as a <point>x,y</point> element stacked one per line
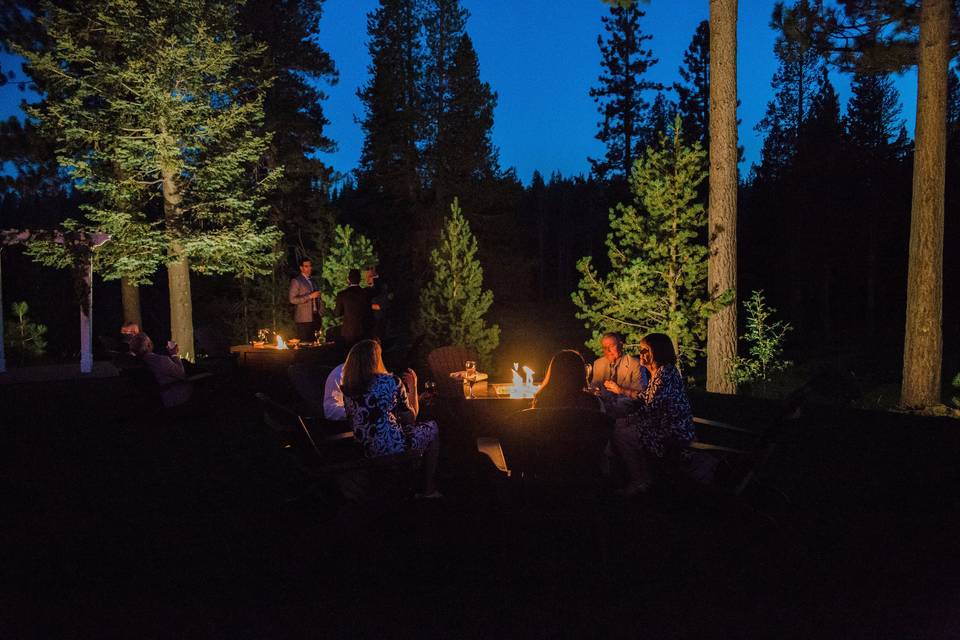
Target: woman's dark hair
<point>566,377</point>
<point>661,348</point>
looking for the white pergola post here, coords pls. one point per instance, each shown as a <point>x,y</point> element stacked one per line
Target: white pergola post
<point>86,320</point>
<point>83,244</point>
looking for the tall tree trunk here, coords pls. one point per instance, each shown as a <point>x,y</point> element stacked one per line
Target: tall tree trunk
<point>722,227</point>
<point>923,342</point>
<point>130,296</point>
<point>178,272</point>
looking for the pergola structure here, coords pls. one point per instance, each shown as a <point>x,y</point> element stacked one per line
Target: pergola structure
<point>80,245</point>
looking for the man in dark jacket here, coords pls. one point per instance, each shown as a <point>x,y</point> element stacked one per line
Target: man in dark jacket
<point>356,309</point>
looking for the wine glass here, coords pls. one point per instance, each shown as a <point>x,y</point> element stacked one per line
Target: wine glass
<point>470,375</point>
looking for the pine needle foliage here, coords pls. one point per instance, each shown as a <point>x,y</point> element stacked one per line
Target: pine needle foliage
<point>25,338</point>
<point>348,250</point>
<point>764,338</point>
<point>453,303</point>
<point>152,101</point>
<point>658,275</point>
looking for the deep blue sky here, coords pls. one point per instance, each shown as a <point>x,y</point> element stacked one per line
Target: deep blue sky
<point>541,57</point>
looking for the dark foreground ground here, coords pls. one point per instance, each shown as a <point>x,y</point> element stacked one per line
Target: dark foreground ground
<point>120,526</point>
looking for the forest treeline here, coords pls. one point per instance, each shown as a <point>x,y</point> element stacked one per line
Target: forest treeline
<point>823,215</point>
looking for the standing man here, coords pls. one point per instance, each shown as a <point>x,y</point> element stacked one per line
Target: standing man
<point>306,302</point>
<point>356,309</point>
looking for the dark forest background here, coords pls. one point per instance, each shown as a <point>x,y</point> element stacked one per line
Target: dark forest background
<point>824,214</point>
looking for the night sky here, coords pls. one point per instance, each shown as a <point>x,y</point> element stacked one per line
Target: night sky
<point>541,57</point>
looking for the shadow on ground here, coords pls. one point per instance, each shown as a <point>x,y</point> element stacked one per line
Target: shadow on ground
<point>123,522</point>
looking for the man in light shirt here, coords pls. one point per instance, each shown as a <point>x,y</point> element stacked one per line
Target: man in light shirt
<point>333,408</point>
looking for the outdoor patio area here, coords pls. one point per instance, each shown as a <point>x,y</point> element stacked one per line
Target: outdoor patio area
<point>143,525</point>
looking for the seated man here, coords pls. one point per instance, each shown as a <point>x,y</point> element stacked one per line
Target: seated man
<point>123,357</point>
<point>167,370</point>
<point>333,408</point>
<point>619,367</point>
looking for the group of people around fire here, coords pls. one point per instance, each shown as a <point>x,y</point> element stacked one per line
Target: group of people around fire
<point>644,395</point>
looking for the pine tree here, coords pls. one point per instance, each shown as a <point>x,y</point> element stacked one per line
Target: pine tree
<point>348,250</point>
<point>293,113</point>
<point>444,26</point>
<point>875,149</point>
<point>619,96</point>
<point>891,35</point>
<point>657,278</point>
<point>393,120</point>
<point>453,303</point>
<point>795,84</point>
<point>465,160</point>
<point>662,113</point>
<point>160,104</point>
<point>693,95</point>
<point>388,195</point>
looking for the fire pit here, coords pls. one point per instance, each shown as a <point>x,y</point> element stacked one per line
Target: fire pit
<point>522,387</point>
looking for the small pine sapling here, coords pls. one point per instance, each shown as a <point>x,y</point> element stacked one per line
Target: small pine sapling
<point>25,337</point>
<point>765,340</point>
<point>453,303</point>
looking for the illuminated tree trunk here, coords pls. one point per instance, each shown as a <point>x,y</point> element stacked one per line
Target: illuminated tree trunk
<point>86,316</point>
<point>722,270</point>
<point>923,342</point>
<point>130,295</point>
<point>178,272</point>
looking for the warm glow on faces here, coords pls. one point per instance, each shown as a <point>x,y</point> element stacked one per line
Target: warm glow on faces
<point>611,349</point>
<point>306,269</point>
<point>645,355</point>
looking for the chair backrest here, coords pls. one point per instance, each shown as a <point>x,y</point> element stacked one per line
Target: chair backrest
<point>562,447</point>
<point>443,361</point>
<point>308,380</point>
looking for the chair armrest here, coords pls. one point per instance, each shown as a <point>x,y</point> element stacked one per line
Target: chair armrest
<point>723,425</point>
<point>703,446</point>
<point>338,437</point>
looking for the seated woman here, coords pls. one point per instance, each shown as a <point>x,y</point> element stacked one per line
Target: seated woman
<point>565,384</point>
<point>564,387</point>
<point>661,424</point>
<point>382,411</point>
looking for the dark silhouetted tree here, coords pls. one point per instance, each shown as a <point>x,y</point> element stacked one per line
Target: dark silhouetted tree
<point>620,94</point>
<point>693,94</point>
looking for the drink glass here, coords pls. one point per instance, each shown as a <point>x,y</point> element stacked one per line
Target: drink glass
<point>470,375</point>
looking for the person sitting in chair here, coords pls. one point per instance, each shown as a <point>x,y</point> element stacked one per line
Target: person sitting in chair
<point>661,424</point>
<point>333,406</point>
<point>620,368</point>
<point>382,409</point>
<point>167,370</point>
<point>565,384</point>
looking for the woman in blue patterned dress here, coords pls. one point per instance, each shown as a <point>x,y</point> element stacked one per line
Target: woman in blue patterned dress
<point>382,410</point>
<point>661,423</point>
